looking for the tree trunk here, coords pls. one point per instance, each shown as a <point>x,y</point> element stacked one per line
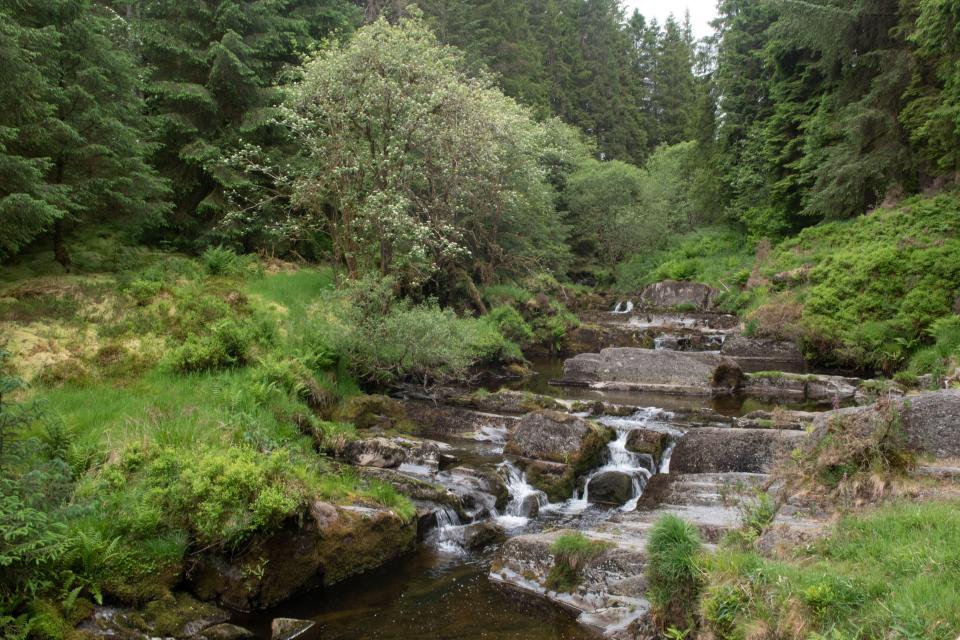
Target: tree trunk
<point>59,244</point>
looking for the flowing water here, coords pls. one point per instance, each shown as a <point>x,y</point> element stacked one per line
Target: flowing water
<point>442,590</point>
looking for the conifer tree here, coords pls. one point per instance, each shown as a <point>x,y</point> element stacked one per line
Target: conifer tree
<point>83,129</point>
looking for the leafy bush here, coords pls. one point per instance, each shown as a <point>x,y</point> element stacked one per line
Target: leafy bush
<point>228,345</point>
<point>936,360</point>
<point>672,571</point>
<point>385,339</point>
<point>511,324</point>
<point>505,295</point>
<point>710,255</point>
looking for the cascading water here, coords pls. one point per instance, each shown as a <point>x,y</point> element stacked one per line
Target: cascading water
<point>638,466</point>
<point>447,535</point>
<point>623,307</point>
<point>525,501</point>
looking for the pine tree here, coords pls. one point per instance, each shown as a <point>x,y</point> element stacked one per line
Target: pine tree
<point>213,65</point>
<point>87,134</point>
<point>674,86</point>
<point>27,201</point>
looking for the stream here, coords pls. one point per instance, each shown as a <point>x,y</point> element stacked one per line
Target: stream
<point>443,589</point>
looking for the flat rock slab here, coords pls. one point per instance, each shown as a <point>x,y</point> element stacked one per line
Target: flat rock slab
<point>712,450</point>
<point>647,370</point>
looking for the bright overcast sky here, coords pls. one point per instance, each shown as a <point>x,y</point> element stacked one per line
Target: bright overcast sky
<point>701,11</point>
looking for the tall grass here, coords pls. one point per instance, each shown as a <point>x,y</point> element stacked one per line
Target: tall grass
<point>890,574</point>
<point>672,572</point>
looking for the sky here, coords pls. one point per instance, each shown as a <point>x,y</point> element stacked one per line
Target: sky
<point>701,11</point>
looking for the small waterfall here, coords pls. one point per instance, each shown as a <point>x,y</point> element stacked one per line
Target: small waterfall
<point>665,460</point>
<point>638,466</point>
<point>448,536</point>
<point>525,500</point>
<point>623,307</point>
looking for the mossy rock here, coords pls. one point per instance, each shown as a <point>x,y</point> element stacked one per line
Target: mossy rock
<point>649,442</point>
<point>321,547</point>
<point>370,411</point>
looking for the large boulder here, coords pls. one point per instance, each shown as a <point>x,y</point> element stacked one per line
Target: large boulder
<point>326,545</point>
<point>764,354</point>
<point>712,450</point>
<point>673,293</point>
<point>552,436</point>
<point>556,448</point>
<point>648,441</point>
<point>931,422</point>
<point>928,422</point>
<point>652,370</point>
<point>610,487</point>
<point>480,535</point>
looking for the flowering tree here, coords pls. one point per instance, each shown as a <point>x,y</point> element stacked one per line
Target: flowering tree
<point>416,168</point>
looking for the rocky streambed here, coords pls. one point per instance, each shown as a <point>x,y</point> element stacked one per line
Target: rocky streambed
<point>601,444</point>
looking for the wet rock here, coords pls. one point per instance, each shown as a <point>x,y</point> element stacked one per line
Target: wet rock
<point>530,506</point>
<point>483,534</point>
<point>480,490</point>
<point>555,479</point>
<point>647,441</point>
<point>710,450</point>
<point>610,487</point>
<point>692,373</point>
<point>505,401</point>
<point>444,420</point>
<point>674,293</point>
<point>764,354</point>
<point>555,448</point>
<point>289,628</point>
<point>322,547</point>
<point>552,436</point>
<point>777,385</point>
<point>592,337</point>
<point>176,615</point>
<point>226,631</point>
<point>392,453</point>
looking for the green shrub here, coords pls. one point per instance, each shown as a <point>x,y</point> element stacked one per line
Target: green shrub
<point>228,345</point>
<point>505,295</point>
<point>511,324</point>
<point>143,291</point>
<point>385,339</point>
<point>672,572</point>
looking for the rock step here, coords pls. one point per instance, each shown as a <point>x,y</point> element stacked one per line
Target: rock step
<point>610,596</point>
